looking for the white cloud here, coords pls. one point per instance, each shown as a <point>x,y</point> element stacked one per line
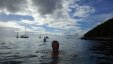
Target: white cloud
<point>28,22</point>
<point>13,25</point>
<point>38,29</point>
<point>10,24</point>
<point>57,17</point>
<point>84,11</point>
<point>63,24</point>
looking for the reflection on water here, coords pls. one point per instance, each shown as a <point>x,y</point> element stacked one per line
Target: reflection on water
<point>103,52</point>
<point>55,57</point>
<point>71,51</point>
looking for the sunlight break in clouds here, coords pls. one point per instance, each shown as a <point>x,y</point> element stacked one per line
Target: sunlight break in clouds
<point>52,13</point>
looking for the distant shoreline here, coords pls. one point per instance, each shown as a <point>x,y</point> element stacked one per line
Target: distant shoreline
<point>97,38</point>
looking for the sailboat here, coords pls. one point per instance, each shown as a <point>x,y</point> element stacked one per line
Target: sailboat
<point>40,35</point>
<point>46,35</point>
<point>25,35</point>
<point>17,34</point>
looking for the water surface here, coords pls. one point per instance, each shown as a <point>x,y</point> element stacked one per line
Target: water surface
<point>72,51</point>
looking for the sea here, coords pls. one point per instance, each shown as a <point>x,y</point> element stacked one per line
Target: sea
<point>72,50</point>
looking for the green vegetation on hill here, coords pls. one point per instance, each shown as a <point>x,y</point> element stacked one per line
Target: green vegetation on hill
<point>104,30</point>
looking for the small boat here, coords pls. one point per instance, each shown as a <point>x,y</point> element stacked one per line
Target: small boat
<point>39,36</point>
<point>17,36</point>
<point>47,37</point>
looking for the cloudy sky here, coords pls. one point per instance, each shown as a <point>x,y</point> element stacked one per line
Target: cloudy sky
<point>53,16</point>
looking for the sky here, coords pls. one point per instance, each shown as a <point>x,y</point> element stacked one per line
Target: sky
<point>53,16</point>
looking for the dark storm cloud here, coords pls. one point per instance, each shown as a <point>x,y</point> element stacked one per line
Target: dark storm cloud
<point>12,5</point>
<point>47,6</point>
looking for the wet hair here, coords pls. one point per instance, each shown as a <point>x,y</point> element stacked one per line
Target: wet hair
<point>55,41</point>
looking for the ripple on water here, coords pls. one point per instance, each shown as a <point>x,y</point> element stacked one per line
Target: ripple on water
<point>11,62</point>
<point>13,57</point>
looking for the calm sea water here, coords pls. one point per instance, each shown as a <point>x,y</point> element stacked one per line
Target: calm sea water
<point>72,51</point>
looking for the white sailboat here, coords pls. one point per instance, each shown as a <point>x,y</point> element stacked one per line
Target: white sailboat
<point>25,35</point>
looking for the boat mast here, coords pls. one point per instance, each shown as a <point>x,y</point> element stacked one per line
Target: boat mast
<point>17,33</point>
<point>25,30</point>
